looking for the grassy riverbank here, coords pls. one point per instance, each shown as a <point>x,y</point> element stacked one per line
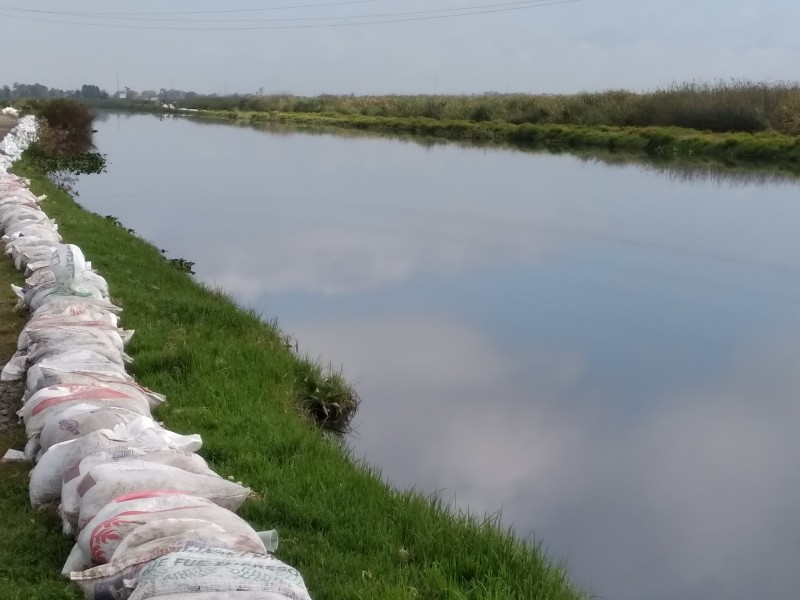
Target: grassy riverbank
<point>737,123</point>
<point>761,149</point>
<point>235,380</point>
<point>721,107</point>
<point>731,124</point>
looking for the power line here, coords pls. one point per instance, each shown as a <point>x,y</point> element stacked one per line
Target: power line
<point>190,12</point>
<point>529,5</point>
<point>520,3</point>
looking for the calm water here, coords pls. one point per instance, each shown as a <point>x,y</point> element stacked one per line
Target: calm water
<point>607,354</point>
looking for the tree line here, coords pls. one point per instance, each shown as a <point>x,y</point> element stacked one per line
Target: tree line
<point>88,92</point>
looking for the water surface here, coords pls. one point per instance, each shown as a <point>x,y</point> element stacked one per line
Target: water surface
<point>606,354</point>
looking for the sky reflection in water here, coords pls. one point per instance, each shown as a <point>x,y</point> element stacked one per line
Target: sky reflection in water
<point>607,354</point>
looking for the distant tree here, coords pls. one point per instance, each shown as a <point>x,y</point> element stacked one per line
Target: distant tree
<point>92,92</point>
<point>5,93</point>
<point>169,95</point>
<point>29,90</point>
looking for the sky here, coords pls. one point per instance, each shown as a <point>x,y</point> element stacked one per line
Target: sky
<point>398,46</point>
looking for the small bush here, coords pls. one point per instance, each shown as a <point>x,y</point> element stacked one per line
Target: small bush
<point>69,125</point>
<point>64,146</point>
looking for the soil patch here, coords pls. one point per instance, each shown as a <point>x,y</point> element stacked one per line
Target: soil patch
<point>6,124</point>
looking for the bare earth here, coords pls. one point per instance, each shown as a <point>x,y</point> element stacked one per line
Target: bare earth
<point>6,124</point>
<point>9,325</point>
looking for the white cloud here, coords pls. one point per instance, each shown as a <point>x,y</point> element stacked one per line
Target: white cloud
<point>691,497</point>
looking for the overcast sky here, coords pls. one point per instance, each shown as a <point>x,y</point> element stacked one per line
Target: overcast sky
<point>503,46</point>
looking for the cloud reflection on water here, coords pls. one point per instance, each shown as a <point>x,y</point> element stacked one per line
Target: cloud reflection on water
<point>694,498</point>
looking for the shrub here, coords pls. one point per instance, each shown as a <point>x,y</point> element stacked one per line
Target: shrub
<point>69,127</point>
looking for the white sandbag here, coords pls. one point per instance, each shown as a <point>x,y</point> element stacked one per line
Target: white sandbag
<point>41,351</point>
<point>37,273</point>
<point>45,230</point>
<point>84,318</point>
<point>78,420</point>
<point>73,360</point>
<point>47,476</point>
<point>83,334</point>
<point>50,377</point>
<point>101,537</point>
<point>15,367</point>
<point>150,541</point>
<point>60,303</point>
<point>73,314</point>
<point>62,427</point>
<point>196,533</point>
<point>73,486</point>
<point>47,289</point>
<point>12,193</point>
<point>105,482</point>
<point>38,407</point>
<point>13,213</point>
<point>69,268</point>
<point>43,342</point>
<point>33,247</point>
<point>222,596</point>
<point>47,292</point>
<point>220,573</point>
<point>30,254</point>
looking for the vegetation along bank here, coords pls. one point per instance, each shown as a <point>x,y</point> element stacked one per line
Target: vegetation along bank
<point>738,123</point>
<point>261,409</point>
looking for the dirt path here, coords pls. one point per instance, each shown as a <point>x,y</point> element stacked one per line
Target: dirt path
<point>10,322</point>
<point>6,124</point>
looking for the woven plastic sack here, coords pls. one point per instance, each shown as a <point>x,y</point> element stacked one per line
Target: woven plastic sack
<point>36,410</point>
<point>101,537</point>
<point>49,376</point>
<point>81,419</point>
<point>105,482</point>
<point>220,573</point>
<point>48,475</point>
<point>150,541</point>
<point>60,303</point>
<point>74,360</point>
<point>74,488</point>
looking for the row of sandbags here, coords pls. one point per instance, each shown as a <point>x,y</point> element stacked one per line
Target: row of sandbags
<point>150,518</point>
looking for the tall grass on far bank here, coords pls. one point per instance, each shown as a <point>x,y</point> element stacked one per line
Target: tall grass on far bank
<point>766,149</point>
<point>737,106</point>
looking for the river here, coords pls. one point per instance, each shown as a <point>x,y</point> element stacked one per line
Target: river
<point>605,355</point>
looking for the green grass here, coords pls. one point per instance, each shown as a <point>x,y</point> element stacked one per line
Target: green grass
<point>722,107</point>
<point>738,123</point>
<point>232,377</point>
<point>762,149</point>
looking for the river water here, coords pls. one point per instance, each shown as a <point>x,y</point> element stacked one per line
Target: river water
<point>607,355</point>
